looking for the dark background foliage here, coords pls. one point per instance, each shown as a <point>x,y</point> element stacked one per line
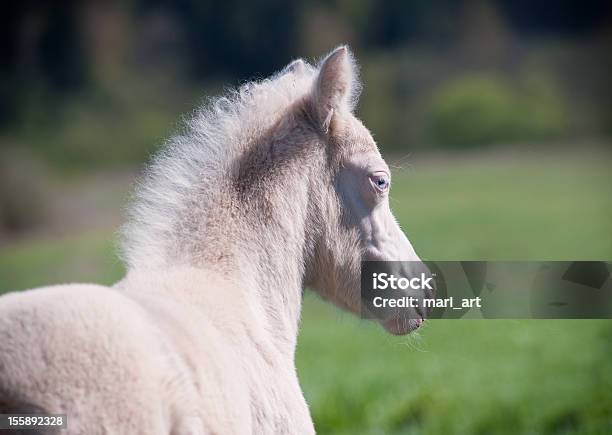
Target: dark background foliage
<point>437,74</point>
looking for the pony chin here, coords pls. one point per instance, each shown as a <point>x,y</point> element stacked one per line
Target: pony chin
<point>401,326</point>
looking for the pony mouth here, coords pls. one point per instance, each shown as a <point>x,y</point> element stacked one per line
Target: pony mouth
<point>402,325</point>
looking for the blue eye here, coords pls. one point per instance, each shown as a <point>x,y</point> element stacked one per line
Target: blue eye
<point>380,181</point>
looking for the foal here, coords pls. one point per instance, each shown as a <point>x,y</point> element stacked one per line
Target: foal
<point>269,190</point>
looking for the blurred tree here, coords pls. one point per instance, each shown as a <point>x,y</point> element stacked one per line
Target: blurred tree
<point>480,110</point>
<point>232,38</point>
<point>397,21</point>
<point>70,67</point>
<point>40,46</point>
<point>568,17</point>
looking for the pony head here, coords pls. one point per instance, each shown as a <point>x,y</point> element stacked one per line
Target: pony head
<point>356,221</point>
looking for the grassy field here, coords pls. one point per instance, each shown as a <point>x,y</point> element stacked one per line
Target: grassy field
<point>453,377</point>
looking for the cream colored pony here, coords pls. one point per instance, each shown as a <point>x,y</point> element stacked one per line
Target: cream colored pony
<point>269,190</point>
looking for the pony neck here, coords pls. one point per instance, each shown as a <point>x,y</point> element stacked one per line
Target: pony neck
<point>256,230</point>
<point>256,259</point>
<point>270,264</point>
<point>253,290</point>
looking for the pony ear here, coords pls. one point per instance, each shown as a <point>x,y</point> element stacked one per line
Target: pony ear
<point>297,66</point>
<point>336,86</point>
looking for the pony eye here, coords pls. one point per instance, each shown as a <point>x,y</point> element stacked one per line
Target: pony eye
<point>380,181</point>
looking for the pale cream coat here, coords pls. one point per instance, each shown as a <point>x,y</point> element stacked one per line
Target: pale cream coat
<point>267,191</point>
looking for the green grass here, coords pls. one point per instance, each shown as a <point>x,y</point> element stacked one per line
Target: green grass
<point>83,258</point>
<point>453,377</point>
<point>470,376</point>
<point>522,206</point>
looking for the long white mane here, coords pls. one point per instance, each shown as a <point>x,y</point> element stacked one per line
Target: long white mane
<point>198,160</point>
